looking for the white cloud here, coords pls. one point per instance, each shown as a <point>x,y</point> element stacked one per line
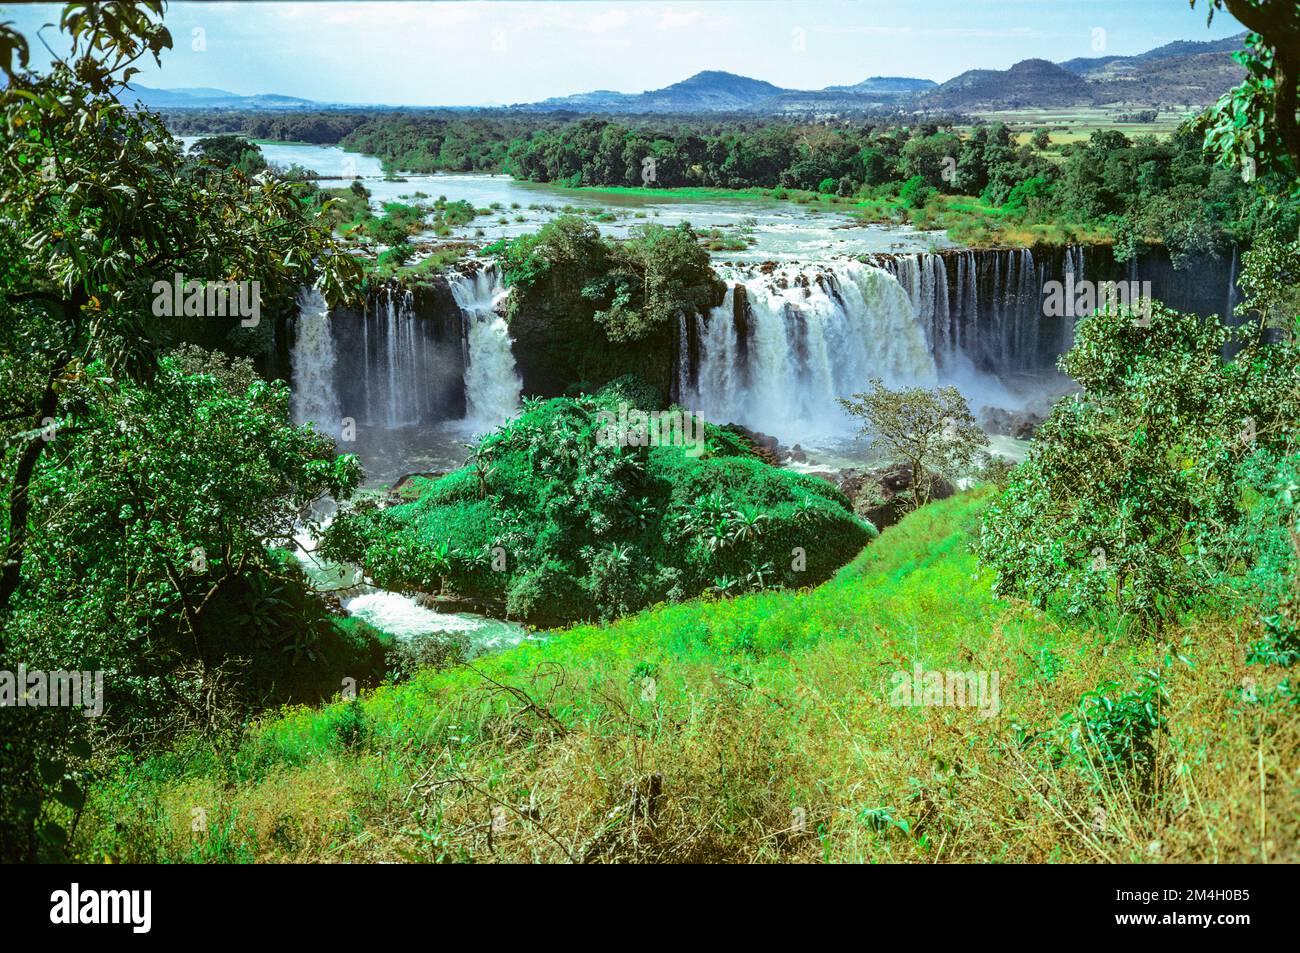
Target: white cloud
<point>672,19</point>
<point>604,22</point>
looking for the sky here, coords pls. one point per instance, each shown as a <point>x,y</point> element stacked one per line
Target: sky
<point>494,53</point>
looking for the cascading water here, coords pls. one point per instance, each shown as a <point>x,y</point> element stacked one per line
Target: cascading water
<point>492,383</point>
<point>314,397</point>
<point>399,363</point>
<point>1232,297</point>
<point>982,311</point>
<point>786,343</point>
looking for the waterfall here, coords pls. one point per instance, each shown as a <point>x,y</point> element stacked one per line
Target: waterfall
<point>314,397</point>
<point>1232,298</point>
<point>925,279</point>
<point>492,383</point>
<point>393,370</point>
<point>399,363</point>
<point>415,358</point>
<point>982,311</point>
<point>785,343</point>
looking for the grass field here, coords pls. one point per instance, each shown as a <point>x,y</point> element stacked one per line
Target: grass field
<point>1077,123</point>
<point>968,220</point>
<point>754,729</point>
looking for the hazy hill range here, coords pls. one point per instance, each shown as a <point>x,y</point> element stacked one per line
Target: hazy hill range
<point>208,98</point>
<point>1183,73</point>
<point>1027,83</point>
<point>709,91</point>
<point>717,91</point>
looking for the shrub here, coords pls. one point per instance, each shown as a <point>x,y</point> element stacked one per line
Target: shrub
<point>915,193</point>
<point>1128,488</point>
<point>589,528</point>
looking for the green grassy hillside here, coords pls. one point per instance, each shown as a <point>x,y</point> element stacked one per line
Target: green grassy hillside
<point>760,729</point>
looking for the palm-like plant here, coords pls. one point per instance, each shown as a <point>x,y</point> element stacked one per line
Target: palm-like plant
<point>748,525</point>
<point>759,576</point>
<point>726,585</point>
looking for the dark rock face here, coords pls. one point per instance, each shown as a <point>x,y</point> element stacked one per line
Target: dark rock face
<point>560,349</point>
<point>1021,424</point>
<point>769,450</point>
<point>989,306</point>
<point>426,331</point>
<point>882,495</point>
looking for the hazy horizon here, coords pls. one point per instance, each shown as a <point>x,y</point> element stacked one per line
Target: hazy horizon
<point>493,54</point>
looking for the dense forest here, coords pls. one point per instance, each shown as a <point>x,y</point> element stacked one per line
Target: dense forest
<point>1145,189</point>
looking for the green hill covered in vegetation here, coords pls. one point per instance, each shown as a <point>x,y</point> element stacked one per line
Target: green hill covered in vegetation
<point>590,507</point>
<point>761,728</point>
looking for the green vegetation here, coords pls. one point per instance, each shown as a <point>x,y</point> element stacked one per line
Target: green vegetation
<point>1115,622</point>
<point>1255,127</point>
<point>760,729</point>
<point>1093,179</point>
<point>1144,493</point>
<point>233,152</point>
<point>355,221</point>
<point>982,186</point>
<point>769,726</point>
<point>933,431</point>
<point>585,309</point>
<point>638,286</point>
<point>556,518</point>
<point>142,494</point>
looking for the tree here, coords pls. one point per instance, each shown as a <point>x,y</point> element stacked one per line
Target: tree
<point>1132,489</point>
<point>933,430</point>
<point>659,273</point>
<point>915,193</point>
<point>233,152</point>
<point>1041,139</point>
<point>100,205</point>
<point>1270,280</point>
<point>1256,126</point>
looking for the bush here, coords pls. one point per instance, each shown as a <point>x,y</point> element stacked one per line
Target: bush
<point>1136,493</point>
<point>438,651</point>
<point>589,528</point>
<point>547,595</point>
<point>915,193</point>
<point>1115,731</point>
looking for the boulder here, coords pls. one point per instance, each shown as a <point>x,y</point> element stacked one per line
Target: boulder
<point>882,495</point>
<point>1021,424</point>
<point>768,448</point>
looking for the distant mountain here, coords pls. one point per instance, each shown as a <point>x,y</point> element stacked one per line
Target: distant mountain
<point>208,98</point>
<point>1183,73</point>
<point>717,91</point>
<point>1027,83</point>
<point>1091,65</point>
<point>709,91</point>
<point>1187,80</point>
<point>886,86</point>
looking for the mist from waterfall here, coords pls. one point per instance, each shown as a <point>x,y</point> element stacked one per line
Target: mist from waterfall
<point>799,338</point>
<point>984,325</point>
<point>314,397</point>
<point>492,382</point>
